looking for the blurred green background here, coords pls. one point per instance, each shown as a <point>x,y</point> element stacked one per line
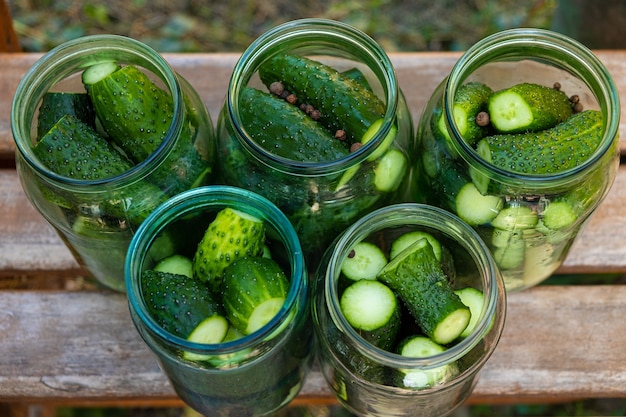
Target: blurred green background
<point>398,25</point>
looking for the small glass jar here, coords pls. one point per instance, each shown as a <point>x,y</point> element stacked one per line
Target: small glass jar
<point>320,197</point>
<point>96,218</point>
<point>361,375</point>
<point>532,218</point>
<point>254,375</point>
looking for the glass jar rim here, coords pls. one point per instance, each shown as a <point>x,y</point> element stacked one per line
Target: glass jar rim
<point>279,39</point>
<point>514,44</point>
<point>43,75</point>
<point>194,200</point>
<point>434,218</point>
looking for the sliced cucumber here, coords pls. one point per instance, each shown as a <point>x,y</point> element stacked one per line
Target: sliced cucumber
<point>515,217</point>
<point>99,71</point>
<point>559,214</point>
<point>210,331</point>
<point>475,208</point>
<point>175,264</point>
<point>390,170</point>
<point>407,239</point>
<point>371,308</point>
<point>475,300</point>
<point>422,347</point>
<point>364,262</point>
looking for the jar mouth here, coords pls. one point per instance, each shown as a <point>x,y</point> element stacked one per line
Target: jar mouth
<point>543,47</point>
<point>323,38</point>
<point>213,198</point>
<point>421,215</point>
<point>68,60</point>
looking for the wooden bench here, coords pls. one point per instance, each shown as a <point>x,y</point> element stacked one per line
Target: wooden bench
<point>65,342</point>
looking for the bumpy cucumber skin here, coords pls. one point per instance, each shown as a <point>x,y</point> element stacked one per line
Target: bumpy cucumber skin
<point>227,238</point>
<point>73,149</point>
<point>137,115</point>
<point>247,283</point>
<point>284,130</point>
<point>177,303</point>
<point>344,103</point>
<point>55,105</point>
<point>550,151</point>
<point>548,107</point>
<point>419,281</point>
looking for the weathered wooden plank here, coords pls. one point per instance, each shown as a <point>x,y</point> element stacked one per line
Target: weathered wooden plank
<point>29,246</point>
<point>418,75</point>
<point>559,343</point>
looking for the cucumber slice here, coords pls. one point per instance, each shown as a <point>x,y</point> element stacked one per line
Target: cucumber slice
<point>515,217</point>
<point>372,309</point>
<point>390,171</point>
<point>475,208</point>
<point>210,331</point>
<point>99,71</point>
<point>386,143</point>
<point>365,261</point>
<point>475,300</point>
<point>559,214</point>
<point>175,264</point>
<point>263,313</point>
<point>407,239</point>
<point>423,347</point>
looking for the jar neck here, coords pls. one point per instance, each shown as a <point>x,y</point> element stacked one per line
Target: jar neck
<point>64,64</point>
<point>320,38</point>
<point>198,202</point>
<point>431,218</point>
<point>543,47</point>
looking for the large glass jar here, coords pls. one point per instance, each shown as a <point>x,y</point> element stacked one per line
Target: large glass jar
<point>251,375</point>
<point>96,215</point>
<point>321,192</point>
<point>528,213</point>
<point>372,381</point>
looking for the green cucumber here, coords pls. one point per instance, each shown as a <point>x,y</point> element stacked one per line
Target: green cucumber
<point>345,104</point>
<point>253,291</point>
<point>390,170</point>
<point>418,346</point>
<point>469,100</point>
<point>554,150</point>
<point>231,235</point>
<point>475,300</point>
<point>559,214</point>
<point>528,107</point>
<point>211,330</point>
<point>364,261</point>
<point>137,115</point>
<point>475,208</point>
<point>418,280</point>
<point>55,105</point>
<point>284,130</point>
<point>176,302</point>
<point>373,311</point>
<point>175,264</point>
<point>75,150</point>
<point>407,239</point>
<point>515,217</point>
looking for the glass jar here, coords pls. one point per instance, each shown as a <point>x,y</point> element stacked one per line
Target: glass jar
<point>528,218</point>
<point>97,215</point>
<point>321,195</point>
<point>253,375</point>
<point>362,376</point>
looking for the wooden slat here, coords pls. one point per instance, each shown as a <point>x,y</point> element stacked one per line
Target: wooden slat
<point>29,247</point>
<point>559,343</point>
<point>418,75</point>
